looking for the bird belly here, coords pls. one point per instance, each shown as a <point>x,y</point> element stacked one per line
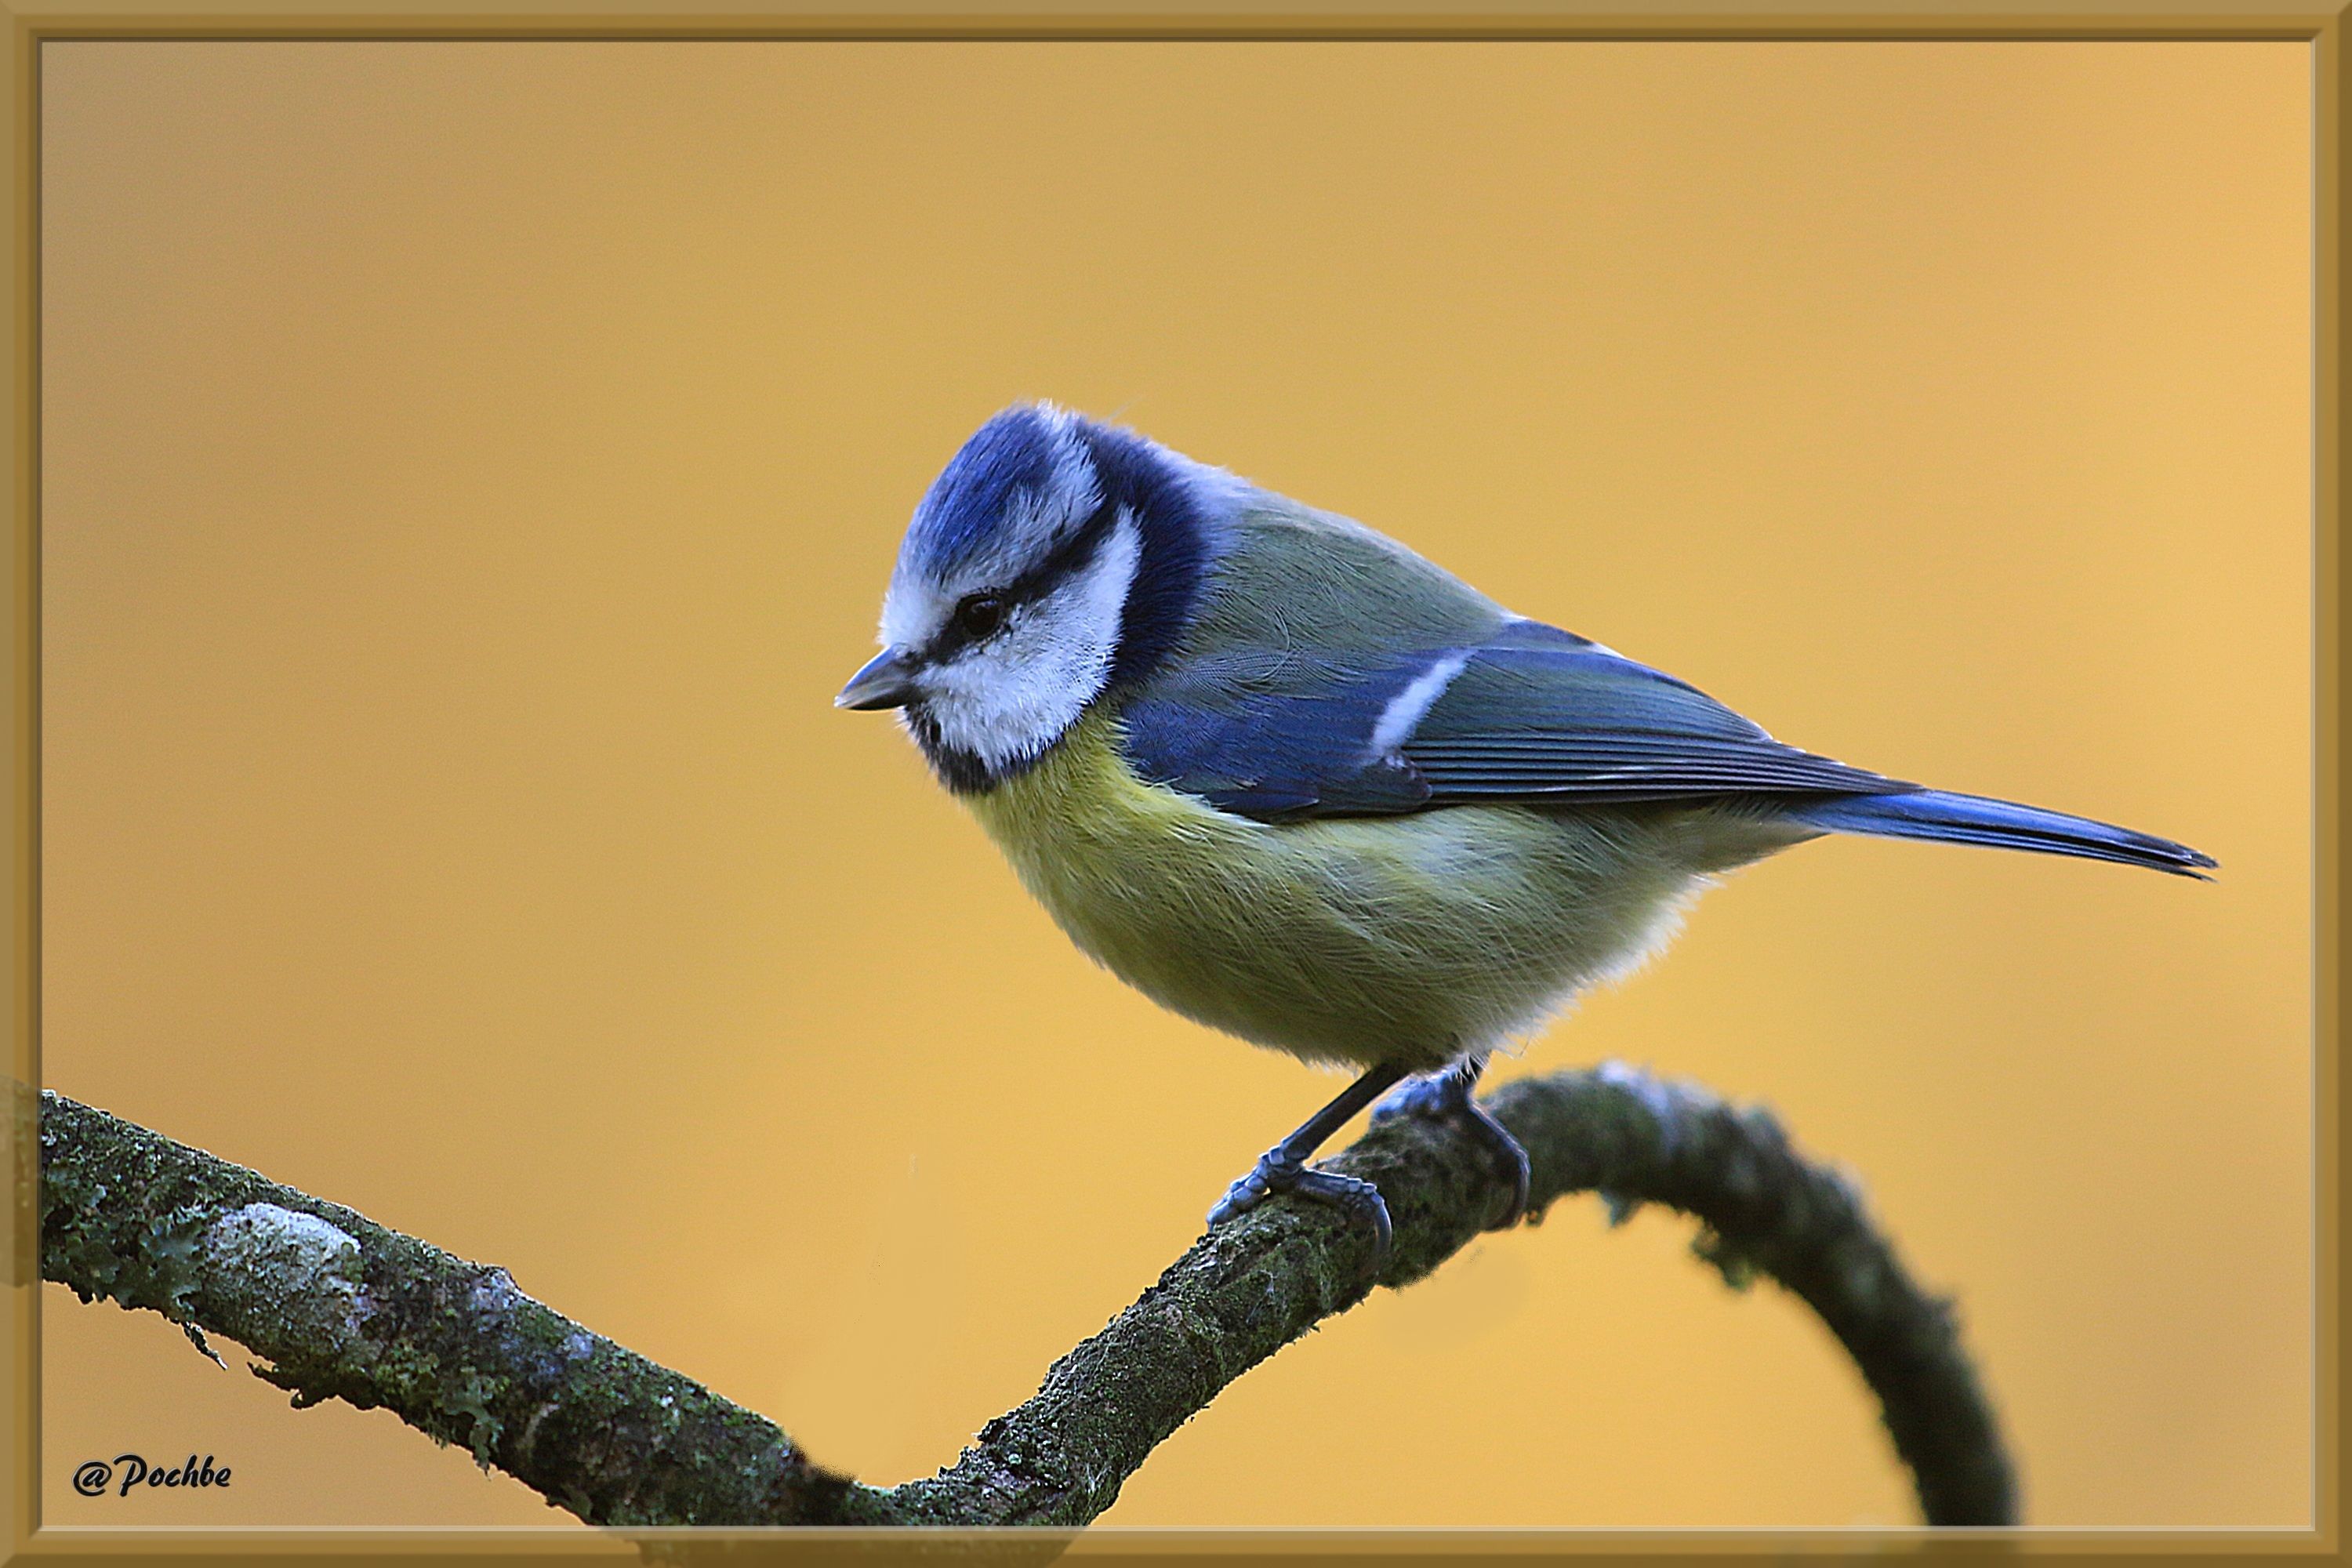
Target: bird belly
<point>1401,939</point>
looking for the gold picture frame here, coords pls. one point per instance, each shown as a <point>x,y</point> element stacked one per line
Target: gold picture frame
<point>33,26</point>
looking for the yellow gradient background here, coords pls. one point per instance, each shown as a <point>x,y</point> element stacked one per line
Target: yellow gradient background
<point>470,469</point>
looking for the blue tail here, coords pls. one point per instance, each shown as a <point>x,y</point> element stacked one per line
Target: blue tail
<point>1947,819</point>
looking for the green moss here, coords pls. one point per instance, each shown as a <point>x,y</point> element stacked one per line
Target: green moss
<point>458,1351</point>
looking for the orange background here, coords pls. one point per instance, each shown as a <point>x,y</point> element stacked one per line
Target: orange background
<point>470,468</point>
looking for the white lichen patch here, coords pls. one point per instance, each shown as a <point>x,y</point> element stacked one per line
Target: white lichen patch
<point>496,1291</point>
<point>294,1268</point>
<point>1656,1096</point>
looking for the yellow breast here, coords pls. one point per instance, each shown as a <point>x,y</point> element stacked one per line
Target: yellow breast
<point>1401,939</point>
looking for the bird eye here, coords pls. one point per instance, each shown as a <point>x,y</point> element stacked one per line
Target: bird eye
<point>977,615</point>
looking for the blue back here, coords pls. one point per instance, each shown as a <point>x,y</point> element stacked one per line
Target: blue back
<point>1314,633</point>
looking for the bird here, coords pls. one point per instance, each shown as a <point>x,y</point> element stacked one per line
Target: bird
<point>1290,779</point>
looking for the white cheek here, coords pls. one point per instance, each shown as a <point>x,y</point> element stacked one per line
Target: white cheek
<point>1009,699</point>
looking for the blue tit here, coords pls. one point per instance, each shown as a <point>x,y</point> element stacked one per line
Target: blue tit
<point>1287,778</point>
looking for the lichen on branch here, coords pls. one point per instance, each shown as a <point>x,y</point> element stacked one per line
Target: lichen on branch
<point>342,1308</point>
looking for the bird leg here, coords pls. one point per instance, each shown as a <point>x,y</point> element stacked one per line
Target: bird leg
<point>1447,1097</point>
<point>1283,1168</point>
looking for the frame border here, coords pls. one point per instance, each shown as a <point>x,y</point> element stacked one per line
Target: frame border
<point>28,23</point>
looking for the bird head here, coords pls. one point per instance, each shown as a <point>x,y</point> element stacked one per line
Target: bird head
<point>1052,560</point>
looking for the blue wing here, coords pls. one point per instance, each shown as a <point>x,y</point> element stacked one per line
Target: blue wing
<point>1528,714</point>
<point>1272,734</point>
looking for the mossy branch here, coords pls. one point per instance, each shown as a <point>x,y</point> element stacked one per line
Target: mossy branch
<point>344,1309</point>
<point>341,1307</point>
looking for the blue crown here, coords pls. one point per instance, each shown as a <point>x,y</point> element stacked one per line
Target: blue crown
<point>958,517</point>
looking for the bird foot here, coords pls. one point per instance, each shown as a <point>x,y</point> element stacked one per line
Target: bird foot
<point>1435,1098</point>
<point>1447,1098</point>
<point>1277,1171</point>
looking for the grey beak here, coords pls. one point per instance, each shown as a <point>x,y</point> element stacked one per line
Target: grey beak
<point>887,682</point>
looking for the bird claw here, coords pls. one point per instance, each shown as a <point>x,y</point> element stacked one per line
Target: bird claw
<point>1251,1190</point>
<point>1418,1096</point>
<point>1276,1173</point>
<point>1447,1097</point>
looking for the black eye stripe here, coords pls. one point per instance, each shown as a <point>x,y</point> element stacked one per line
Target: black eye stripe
<point>1040,580</point>
<point>1064,558</point>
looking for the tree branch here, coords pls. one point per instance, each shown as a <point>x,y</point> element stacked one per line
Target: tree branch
<point>342,1308</point>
